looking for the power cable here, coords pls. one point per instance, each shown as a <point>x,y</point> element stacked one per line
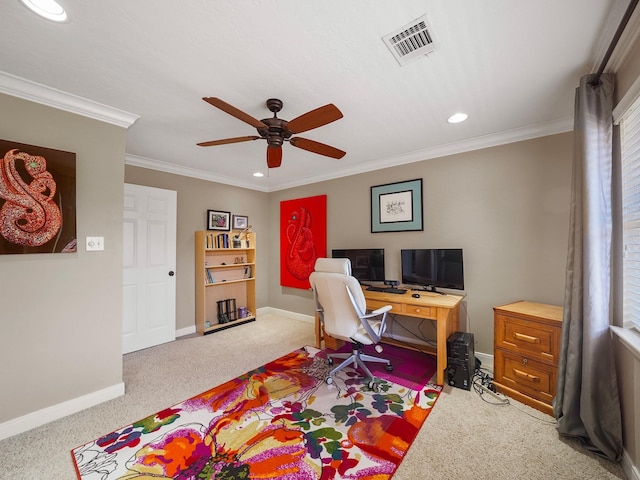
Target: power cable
<point>482,384</point>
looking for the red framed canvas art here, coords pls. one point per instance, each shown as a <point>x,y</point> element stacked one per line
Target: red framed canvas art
<point>37,199</point>
<point>303,238</point>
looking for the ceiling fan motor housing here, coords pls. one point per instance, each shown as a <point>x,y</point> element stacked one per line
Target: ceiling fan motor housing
<point>276,133</point>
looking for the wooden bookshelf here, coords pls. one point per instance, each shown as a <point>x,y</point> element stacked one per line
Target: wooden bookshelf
<point>224,273</point>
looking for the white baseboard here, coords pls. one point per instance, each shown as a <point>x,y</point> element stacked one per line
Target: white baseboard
<point>486,360</point>
<point>287,313</point>
<point>186,331</point>
<point>260,311</point>
<point>55,412</point>
<point>402,338</point>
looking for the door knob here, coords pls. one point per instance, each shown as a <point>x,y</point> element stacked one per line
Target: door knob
<point>171,273</point>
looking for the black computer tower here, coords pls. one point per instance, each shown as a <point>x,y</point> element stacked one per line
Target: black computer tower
<point>461,360</point>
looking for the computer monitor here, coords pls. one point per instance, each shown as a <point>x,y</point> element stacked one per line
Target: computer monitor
<point>367,264</point>
<point>433,268</point>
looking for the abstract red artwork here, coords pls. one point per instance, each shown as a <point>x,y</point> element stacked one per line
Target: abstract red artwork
<point>37,199</point>
<point>303,238</point>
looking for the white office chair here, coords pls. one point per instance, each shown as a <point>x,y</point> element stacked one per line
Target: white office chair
<point>341,306</point>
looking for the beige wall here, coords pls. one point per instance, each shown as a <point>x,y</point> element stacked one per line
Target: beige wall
<point>61,314</point>
<point>506,206</point>
<point>195,197</point>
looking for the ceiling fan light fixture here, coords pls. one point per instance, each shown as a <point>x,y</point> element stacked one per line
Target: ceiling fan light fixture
<point>49,9</point>
<point>457,117</point>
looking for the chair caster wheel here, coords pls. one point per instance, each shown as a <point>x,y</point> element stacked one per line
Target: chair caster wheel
<point>389,368</point>
<point>329,381</point>
<point>329,361</point>
<point>371,385</point>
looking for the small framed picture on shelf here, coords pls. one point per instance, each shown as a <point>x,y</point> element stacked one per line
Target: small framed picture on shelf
<point>240,222</point>
<point>218,220</point>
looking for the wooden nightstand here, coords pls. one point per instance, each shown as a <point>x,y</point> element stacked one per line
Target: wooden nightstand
<point>526,350</point>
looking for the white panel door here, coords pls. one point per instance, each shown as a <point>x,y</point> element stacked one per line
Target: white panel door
<point>149,264</point>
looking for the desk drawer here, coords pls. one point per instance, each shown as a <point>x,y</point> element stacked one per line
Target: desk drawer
<point>420,311</point>
<point>375,304</point>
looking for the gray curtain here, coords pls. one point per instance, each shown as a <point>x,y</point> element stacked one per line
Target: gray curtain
<point>586,405</point>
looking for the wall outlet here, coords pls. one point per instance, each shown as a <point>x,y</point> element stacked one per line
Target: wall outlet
<point>95,244</point>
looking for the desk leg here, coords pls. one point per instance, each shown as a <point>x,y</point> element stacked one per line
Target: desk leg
<point>318,332</point>
<point>447,323</point>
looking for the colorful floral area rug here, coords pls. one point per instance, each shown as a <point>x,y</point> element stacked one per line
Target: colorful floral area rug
<point>279,421</point>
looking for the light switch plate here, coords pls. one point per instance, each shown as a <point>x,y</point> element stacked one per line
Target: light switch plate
<point>95,244</point>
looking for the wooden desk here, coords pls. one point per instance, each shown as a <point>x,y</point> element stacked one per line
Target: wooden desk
<point>443,309</point>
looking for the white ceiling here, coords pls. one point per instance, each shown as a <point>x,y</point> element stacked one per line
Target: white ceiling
<point>511,65</point>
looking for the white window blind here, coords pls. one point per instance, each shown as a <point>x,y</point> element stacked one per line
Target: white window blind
<point>630,139</point>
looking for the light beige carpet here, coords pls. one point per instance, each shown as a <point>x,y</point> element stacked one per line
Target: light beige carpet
<point>463,438</point>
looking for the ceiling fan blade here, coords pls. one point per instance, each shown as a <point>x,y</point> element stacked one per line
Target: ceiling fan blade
<point>228,140</point>
<point>231,110</point>
<point>315,118</point>
<point>317,147</point>
<point>274,156</point>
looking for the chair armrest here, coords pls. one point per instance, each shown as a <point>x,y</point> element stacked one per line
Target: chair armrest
<point>364,316</point>
<point>381,310</point>
<point>381,314</point>
<point>377,312</point>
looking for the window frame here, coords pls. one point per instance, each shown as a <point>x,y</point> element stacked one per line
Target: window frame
<point>630,198</point>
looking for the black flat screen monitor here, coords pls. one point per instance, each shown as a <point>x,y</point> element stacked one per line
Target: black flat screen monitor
<point>433,268</point>
<point>367,264</point>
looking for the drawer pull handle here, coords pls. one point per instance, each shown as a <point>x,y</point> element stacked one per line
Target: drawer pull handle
<point>526,338</point>
<point>526,376</point>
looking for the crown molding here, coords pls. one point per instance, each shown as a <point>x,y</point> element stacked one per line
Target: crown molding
<point>477,143</point>
<point>172,168</point>
<point>51,97</point>
<point>438,151</point>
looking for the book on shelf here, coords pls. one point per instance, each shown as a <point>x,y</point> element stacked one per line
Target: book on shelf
<point>209,276</point>
<point>222,240</point>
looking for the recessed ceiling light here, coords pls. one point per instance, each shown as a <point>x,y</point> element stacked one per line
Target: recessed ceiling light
<point>49,9</point>
<point>258,174</point>
<point>457,118</point>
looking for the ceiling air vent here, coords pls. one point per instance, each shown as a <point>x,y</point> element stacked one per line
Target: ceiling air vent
<point>411,41</point>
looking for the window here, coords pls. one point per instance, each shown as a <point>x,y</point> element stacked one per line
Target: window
<point>630,143</point>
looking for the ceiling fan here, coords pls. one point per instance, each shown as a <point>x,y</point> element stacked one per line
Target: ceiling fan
<point>276,131</point>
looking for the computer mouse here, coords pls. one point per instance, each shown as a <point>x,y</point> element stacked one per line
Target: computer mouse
<point>415,295</point>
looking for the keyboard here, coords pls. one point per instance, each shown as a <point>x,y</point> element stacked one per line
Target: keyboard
<point>371,288</point>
